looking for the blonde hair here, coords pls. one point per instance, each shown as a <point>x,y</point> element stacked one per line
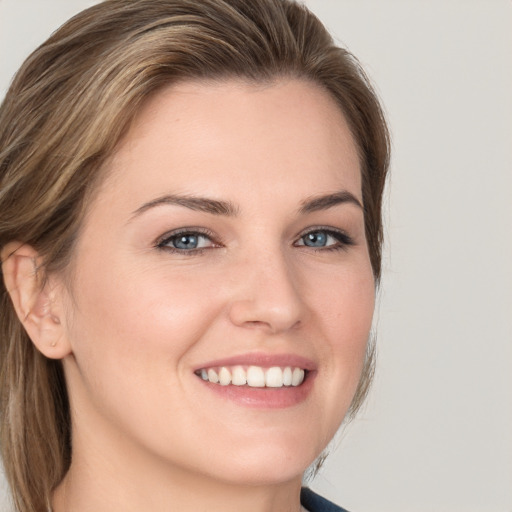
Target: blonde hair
<point>64,114</point>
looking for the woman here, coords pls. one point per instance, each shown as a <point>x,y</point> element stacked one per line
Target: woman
<point>190,231</point>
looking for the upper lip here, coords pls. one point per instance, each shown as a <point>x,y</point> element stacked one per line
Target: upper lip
<point>263,360</point>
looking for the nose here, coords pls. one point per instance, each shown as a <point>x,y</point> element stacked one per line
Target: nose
<point>268,295</point>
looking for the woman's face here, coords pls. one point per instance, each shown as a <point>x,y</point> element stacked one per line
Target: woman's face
<point>227,239</point>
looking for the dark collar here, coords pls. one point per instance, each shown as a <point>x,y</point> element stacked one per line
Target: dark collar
<point>315,503</point>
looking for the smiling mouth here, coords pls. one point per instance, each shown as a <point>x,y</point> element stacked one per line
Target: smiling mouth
<point>254,376</point>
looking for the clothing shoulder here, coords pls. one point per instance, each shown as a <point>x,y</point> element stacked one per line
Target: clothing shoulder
<point>315,503</point>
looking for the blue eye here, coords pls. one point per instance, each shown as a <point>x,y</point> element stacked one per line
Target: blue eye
<point>325,238</point>
<point>186,241</point>
<point>316,239</point>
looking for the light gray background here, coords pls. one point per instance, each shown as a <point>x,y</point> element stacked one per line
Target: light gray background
<point>436,434</point>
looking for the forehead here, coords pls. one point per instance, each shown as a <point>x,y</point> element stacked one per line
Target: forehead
<point>197,137</point>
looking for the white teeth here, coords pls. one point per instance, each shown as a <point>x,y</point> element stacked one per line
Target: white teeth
<point>224,377</point>
<point>297,376</point>
<point>212,376</point>
<point>254,376</point>
<point>239,377</point>
<point>287,376</point>
<point>274,377</point>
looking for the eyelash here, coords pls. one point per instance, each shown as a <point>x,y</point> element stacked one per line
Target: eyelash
<point>343,240</point>
<point>162,243</point>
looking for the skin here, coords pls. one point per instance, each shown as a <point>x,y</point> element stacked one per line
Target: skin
<point>132,321</point>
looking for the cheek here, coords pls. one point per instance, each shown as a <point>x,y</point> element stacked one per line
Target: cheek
<point>345,305</point>
<point>345,316</point>
<point>123,315</point>
<point>130,334</point>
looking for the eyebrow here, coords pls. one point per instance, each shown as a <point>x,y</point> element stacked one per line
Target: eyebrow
<point>325,202</point>
<point>227,208</point>
<point>200,204</point>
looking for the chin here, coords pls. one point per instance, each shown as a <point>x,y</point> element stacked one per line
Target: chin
<point>267,462</point>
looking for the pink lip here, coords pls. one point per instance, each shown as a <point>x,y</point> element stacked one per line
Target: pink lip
<point>263,398</point>
<point>263,360</point>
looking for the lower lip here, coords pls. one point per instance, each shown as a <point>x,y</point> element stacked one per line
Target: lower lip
<point>265,398</point>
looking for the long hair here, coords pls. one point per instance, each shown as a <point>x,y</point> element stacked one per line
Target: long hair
<point>63,116</point>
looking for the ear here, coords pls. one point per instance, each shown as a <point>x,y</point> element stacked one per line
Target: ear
<point>37,299</point>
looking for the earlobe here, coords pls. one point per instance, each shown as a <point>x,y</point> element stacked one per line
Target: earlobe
<point>37,301</point>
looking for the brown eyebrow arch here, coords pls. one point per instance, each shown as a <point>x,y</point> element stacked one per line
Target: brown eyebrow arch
<point>328,201</point>
<point>200,204</point>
